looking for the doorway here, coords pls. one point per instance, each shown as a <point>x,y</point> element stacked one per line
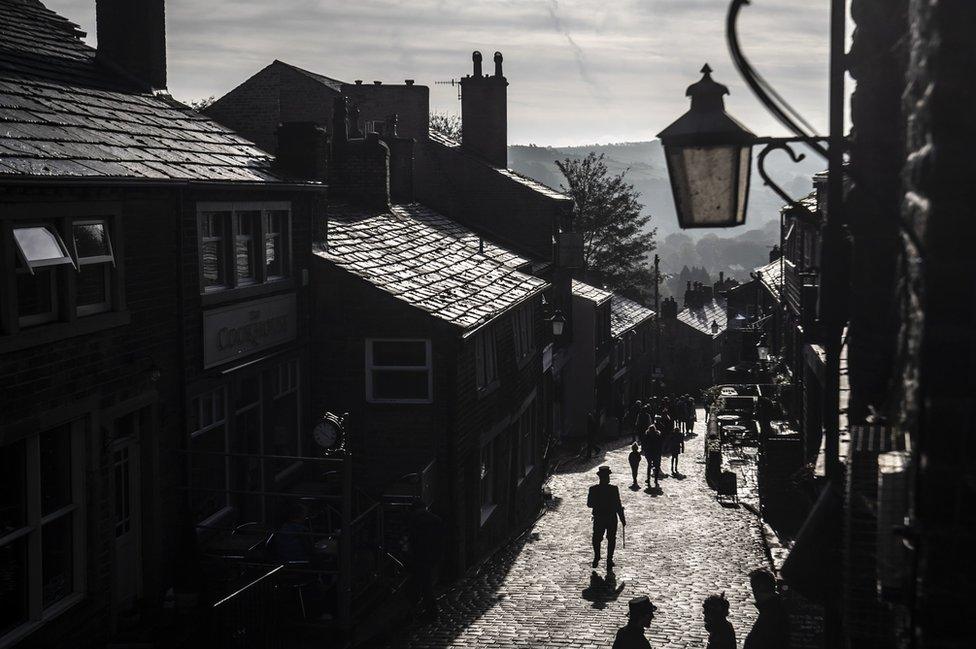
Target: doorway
<point>127,515</point>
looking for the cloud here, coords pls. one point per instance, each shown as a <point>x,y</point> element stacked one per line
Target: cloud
<point>578,53</point>
<point>578,69</point>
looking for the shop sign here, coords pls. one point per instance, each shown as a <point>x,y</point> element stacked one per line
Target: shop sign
<point>237,331</point>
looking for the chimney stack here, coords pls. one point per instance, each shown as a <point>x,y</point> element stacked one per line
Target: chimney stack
<point>484,113</point>
<point>669,309</point>
<point>401,162</point>
<point>303,150</point>
<point>132,37</point>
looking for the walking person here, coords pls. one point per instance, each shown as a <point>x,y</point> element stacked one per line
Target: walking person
<point>721,635</point>
<point>676,448</point>
<point>771,629</point>
<point>425,538</point>
<point>604,500</point>
<point>652,445</point>
<point>692,414</point>
<point>635,459</point>
<point>631,636</point>
<point>633,414</point>
<point>592,435</point>
<point>643,421</point>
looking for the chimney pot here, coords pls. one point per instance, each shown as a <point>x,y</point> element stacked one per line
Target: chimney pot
<point>409,82</point>
<point>359,82</point>
<point>498,64</point>
<point>476,58</point>
<point>377,83</point>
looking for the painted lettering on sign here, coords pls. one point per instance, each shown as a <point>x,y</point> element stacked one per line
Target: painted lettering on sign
<point>237,331</point>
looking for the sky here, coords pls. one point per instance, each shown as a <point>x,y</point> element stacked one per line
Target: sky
<point>579,71</point>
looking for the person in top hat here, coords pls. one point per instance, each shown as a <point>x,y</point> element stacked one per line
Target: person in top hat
<point>631,636</point>
<point>604,500</point>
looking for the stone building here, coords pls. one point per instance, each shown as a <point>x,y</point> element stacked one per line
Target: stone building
<point>632,329</point>
<point>692,338</point>
<point>154,301</point>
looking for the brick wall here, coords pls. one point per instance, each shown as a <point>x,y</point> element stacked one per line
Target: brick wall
<point>476,194</point>
<point>937,352</point>
<point>96,375</point>
<point>280,93</point>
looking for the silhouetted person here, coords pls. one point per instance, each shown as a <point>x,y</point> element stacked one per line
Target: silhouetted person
<point>772,628</point>
<point>634,458</point>
<point>592,434</point>
<point>604,500</point>
<point>653,443</point>
<point>721,635</point>
<point>640,614</point>
<point>676,448</point>
<point>643,421</point>
<point>292,541</point>
<point>425,534</point>
<point>633,414</point>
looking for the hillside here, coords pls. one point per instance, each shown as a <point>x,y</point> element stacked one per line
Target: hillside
<point>734,251</point>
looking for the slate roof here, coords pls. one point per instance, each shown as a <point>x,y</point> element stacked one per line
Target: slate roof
<point>590,292</point>
<point>626,314</point>
<point>450,143</point>
<point>771,276</point>
<point>427,262</point>
<point>329,82</point>
<point>702,319</point>
<point>64,114</point>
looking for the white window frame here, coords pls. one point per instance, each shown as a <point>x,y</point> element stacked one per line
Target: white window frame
<point>485,359</point>
<point>523,328</point>
<point>284,368</point>
<point>33,527</point>
<point>258,241</point>
<point>104,260</point>
<point>34,319</point>
<point>372,367</point>
<point>257,229</point>
<point>486,480</point>
<point>203,429</point>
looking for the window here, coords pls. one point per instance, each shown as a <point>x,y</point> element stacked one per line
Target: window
<point>208,464</point>
<point>524,331</point>
<point>528,439</point>
<point>245,229</point>
<point>487,479</point>
<point>243,244</point>
<point>286,438</point>
<point>486,365</point>
<point>398,371</point>
<point>93,250</point>
<point>55,281</point>
<point>41,527</point>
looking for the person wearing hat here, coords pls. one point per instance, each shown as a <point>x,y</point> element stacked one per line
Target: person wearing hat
<point>604,500</point>
<point>631,635</point>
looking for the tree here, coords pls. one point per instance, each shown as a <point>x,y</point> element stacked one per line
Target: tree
<point>446,124</point>
<point>200,104</point>
<point>617,241</point>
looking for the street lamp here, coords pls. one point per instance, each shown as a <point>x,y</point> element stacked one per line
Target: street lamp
<point>558,322</point>
<point>709,156</point>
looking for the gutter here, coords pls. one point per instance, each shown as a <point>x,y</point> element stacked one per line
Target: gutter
<point>123,182</point>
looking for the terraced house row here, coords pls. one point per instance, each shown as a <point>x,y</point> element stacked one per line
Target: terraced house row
<point>303,297</point>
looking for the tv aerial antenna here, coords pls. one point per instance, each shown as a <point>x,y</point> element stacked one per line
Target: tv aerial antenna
<point>452,82</point>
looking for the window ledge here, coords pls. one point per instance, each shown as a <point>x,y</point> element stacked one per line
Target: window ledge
<point>55,331</point>
<point>486,512</point>
<point>223,296</point>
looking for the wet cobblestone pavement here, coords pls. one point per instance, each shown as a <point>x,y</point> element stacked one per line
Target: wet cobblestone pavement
<point>682,545</point>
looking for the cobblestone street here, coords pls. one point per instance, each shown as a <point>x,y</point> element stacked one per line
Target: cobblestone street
<point>682,545</point>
